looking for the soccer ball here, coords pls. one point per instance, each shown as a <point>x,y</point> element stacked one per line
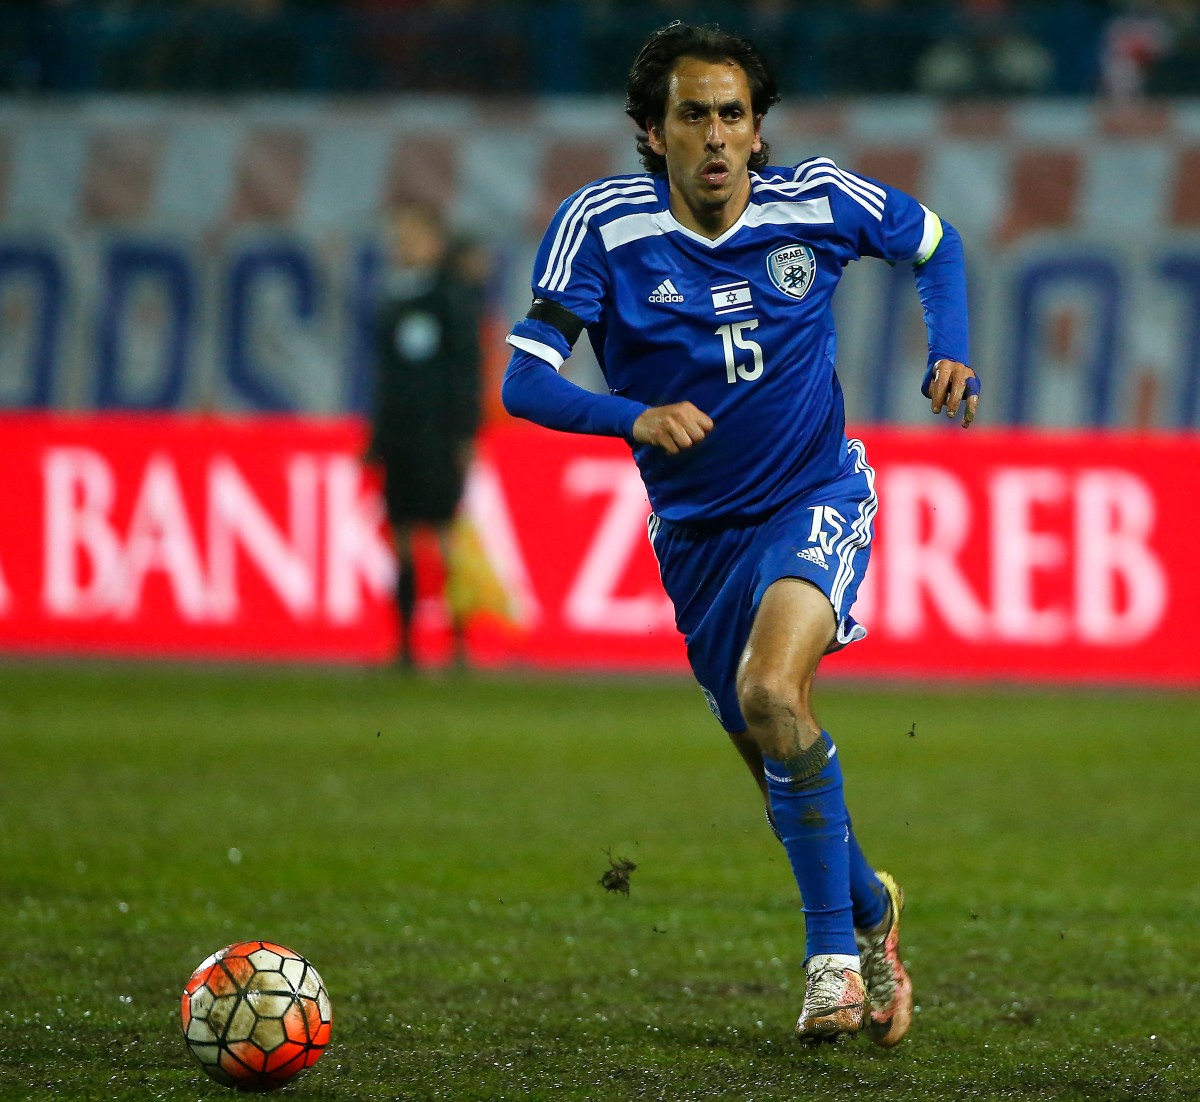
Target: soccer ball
<point>255,1014</point>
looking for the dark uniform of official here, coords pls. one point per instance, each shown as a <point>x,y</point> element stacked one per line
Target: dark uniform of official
<point>427,407</point>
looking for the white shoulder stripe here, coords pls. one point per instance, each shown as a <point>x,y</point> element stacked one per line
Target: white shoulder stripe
<point>634,227</point>
<point>856,185</point>
<point>574,222</point>
<point>592,200</point>
<point>802,211</point>
<point>593,192</point>
<point>837,181</point>
<point>589,195</point>
<point>562,275</point>
<point>824,164</point>
<point>872,206</point>
<point>866,194</point>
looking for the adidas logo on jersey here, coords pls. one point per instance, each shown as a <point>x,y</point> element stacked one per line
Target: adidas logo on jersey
<point>813,554</point>
<point>665,292</point>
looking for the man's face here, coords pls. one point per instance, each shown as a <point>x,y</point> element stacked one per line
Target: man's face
<point>416,240</point>
<point>708,134</point>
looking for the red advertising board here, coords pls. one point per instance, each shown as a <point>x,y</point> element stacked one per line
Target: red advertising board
<point>1032,556</point>
<point>180,536</point>
<point>999,555</point>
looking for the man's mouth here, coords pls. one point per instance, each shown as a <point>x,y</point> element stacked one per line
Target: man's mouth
<point>715,173</point>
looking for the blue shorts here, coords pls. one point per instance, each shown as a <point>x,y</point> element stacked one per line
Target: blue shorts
<point>717,577</point>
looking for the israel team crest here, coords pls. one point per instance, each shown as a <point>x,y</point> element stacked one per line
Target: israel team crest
<point>792,269</point>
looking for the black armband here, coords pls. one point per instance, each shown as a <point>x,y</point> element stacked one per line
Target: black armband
<point>560,317</point>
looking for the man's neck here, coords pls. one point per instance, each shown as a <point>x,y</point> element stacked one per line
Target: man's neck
<point>710,221</point>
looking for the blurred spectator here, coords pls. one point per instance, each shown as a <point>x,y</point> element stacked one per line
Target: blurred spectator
<point>455,46</point>
<point>34,48</point>
<point>873,50</point>
<point>229,46</point>
<point>1177,71</point>
<point>1152,47</point>
<point>516,47</point>
<point>1136,37</point>
<point>989,54</point>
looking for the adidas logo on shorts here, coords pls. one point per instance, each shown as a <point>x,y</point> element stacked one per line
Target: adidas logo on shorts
<point>813,554</point>
<point>665,292</point>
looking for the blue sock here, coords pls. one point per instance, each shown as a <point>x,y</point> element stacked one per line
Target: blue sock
<point>867,893</point>
<point>810,812</point>
<point>868,896</point>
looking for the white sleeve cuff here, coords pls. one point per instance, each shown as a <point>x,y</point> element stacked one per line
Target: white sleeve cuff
<point>541,351</point>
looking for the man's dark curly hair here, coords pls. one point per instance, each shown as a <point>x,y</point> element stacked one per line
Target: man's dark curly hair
<point>648,85</point>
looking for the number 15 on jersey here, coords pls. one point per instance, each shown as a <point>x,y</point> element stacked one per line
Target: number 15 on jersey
<point>734,340</point>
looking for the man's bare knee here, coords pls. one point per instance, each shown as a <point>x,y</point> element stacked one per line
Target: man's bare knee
<point>774,680</point>
<point>776,716</point>
<point>762,700</point>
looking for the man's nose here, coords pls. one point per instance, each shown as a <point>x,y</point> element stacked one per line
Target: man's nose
<point>715,138</point>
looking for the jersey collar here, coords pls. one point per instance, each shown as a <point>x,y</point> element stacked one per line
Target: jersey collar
<point>662,185</point>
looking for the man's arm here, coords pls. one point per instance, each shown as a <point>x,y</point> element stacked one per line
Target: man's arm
<point>542,341</point>
<point>534,390</point>
<point>949,383</point>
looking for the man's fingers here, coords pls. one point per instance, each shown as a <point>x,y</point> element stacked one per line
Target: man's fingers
<point>684,430</point>
<point>684,433</point>
<point>954,398</point>
<point>937,389</point>
<point>672,428</point>
<point>969,408</point>
<point>675,438</point>
<point>702,422</point>
<point>949,384</point>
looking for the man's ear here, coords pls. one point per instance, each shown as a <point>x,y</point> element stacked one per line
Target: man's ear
<point>757,146</point>
<point>654,136</point>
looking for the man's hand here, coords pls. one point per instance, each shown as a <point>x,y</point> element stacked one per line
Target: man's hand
<point>672,428</point>
<point>949,383</point>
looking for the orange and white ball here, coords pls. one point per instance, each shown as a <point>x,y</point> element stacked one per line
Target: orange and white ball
<point>255,1014</point>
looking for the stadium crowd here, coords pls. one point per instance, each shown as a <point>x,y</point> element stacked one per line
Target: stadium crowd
<point>951,48</point>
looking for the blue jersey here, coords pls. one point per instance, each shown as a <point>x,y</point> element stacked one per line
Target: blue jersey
<point>741,326</point>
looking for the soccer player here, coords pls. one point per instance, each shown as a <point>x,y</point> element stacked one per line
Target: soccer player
<point>705,285</point>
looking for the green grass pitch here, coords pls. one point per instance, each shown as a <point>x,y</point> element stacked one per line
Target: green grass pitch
<point>435,847</point>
